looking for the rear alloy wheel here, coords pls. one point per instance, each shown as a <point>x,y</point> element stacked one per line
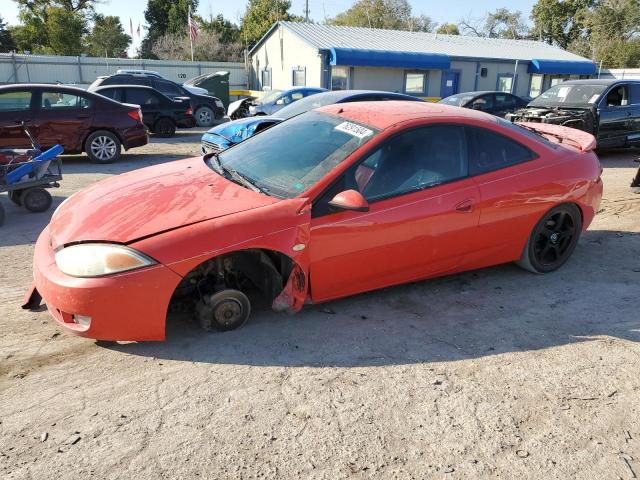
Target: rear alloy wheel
<point>225,310</point>
<point>36,199</point>
<point>164,128</point>
<point>103,147</point>
<point>16,197</point>
<point>553,240</point>
<point>204,116</point>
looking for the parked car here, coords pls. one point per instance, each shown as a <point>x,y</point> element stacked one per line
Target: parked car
<point>337,201</point>
<point>78,120</point>
<point>608,109</point>
<point>207,109</point>
<point>270,102</point>
<point>226,135</point>
<point>495,103</point>
<point>133,71</point>
<point>160,113</point>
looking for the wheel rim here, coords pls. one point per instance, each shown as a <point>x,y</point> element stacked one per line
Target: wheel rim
<point>103,147</point>
<point>204,115</point>
<point>228,313</point>
<point>554,238</point>
<point>37,200</point>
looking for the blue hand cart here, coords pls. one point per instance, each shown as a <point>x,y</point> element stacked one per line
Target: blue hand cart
<point>27,174</point>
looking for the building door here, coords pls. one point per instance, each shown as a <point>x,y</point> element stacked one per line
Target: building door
<point>449,85</point>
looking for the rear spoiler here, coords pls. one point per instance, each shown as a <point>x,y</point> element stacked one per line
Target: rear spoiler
<point>580,139</point>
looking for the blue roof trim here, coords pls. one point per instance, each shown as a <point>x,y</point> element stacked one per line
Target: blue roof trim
<point>384,58</point>
<point>572,67</point>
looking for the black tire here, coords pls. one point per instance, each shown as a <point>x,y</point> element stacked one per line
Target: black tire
<point>103,146</point>
<point>165,128</point>
<point>2,215</point>
<point>205,116</point>
<point>16,197</point>
<point>225,310</point>
<point>36,199</point>
<point>553,239</point>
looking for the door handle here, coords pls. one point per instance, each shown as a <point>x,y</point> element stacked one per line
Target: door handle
<point>465,206</point>
<point>82,116</point>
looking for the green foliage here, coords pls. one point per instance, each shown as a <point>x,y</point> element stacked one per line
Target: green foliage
<point>559,22</point>
<point>7,44</point>
<point>261,15</point>
<point>164,16</point>
<point>501,23</point>
<point>448,29</point>
<point>64,30</point>
<point>386,14</point>
<point>227,31</point>
<point>107,37</point>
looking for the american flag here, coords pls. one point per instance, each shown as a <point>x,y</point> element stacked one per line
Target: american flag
<point>193,27</point>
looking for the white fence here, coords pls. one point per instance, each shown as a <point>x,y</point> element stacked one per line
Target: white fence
<point>621,73</point>
<point>84,70</point>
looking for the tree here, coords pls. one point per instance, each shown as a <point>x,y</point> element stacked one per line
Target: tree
<point>261,15</point>
<point>386,14</point>
<point>448,29</point>
<point>164,16</point>
<point>559,22</point>
<point>227,31</point>
<point>107,38</point>
<point>174,46</point>
<point>7,43</point>
<point>499,24</point>
<point>64,30</point>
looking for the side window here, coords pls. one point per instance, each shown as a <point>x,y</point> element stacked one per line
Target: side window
<point>618,96</point>
<point>491,151</point>
<point>504,101</point>
<point>413,160</point>
<point>295,96</point>
<point>483,103</point>
<point>63,101</point>
<point>141,97</point>
<point>634,97</point>
<point>113,94</point>
<point>15,101</point>
<point>167,88</point>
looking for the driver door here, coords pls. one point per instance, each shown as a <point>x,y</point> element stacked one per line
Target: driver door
<point>420,219</point>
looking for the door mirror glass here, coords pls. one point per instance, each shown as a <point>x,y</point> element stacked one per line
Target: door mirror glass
<point>349,200</point>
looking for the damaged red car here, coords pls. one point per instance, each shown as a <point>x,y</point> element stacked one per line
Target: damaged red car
<point>337,201</point>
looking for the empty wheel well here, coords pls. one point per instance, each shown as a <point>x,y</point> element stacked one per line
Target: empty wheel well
<point>260,270</point>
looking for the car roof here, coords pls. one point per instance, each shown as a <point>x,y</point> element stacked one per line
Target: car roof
<point>383,115</point>
<point>598,81</point>
<point>40,86</point>
<point>115,85</point>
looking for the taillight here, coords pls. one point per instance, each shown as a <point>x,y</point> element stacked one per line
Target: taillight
<point>136,115</point>
<point>189,111</point>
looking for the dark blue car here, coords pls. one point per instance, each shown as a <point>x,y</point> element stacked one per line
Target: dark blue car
<point>228,134</point>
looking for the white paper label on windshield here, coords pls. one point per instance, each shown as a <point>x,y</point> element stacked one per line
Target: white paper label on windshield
<point>594,99</point>
<point>563,92</point>
<point>354,129</point>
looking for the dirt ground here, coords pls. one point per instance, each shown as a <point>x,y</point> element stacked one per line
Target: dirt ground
<point>496,373</point>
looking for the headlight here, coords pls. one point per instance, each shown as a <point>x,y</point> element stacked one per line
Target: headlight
<point>98,259</point>
<point>219,104</point>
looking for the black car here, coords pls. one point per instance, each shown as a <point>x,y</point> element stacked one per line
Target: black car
<point>160,113</point>
<point>495,103</point>
<point>608,109</point>
<point>207,109</point>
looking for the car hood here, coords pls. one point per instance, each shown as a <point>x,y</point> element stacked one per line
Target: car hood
<point>148,201</point>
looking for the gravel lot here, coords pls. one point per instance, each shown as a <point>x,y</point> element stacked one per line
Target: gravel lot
<point>496,373</point>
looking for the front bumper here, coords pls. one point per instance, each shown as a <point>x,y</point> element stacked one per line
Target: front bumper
<point>127,306</point>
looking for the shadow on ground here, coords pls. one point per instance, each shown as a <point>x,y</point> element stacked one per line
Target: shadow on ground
<point>465,316</point>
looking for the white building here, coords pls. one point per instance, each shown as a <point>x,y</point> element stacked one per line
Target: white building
<point>418,63</point>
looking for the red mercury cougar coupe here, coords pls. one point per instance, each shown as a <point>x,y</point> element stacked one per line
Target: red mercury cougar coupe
<point>334,202</point>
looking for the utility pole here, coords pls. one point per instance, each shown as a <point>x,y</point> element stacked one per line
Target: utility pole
<point>306,11</point>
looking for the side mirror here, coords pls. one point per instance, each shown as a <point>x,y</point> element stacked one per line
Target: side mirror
<point>349,200</point>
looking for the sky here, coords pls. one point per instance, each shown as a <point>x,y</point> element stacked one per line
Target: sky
<point>320,9</point>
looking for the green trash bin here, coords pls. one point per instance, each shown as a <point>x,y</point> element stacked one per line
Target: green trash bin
<point>217,84</point>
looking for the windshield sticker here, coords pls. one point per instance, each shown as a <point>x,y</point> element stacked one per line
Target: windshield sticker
<point>563,92</point>
<point>594,99</point>
<point>353,129</point>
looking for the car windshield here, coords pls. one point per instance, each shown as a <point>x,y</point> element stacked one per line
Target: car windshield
<point>304,105</point>
<point>456,100</point>
<point>315,144</point>
<point>268,97</point>
<point>572,94</point>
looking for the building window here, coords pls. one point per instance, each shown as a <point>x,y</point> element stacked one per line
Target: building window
<point>415,83</point>
<point>339,78</point>
<point>505,82</point>
<point>556,79</point>
<point>536,85</point>
<point>266,78</point>
<point>299,77</point>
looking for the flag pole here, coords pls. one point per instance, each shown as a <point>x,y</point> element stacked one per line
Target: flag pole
<point>191,38</point>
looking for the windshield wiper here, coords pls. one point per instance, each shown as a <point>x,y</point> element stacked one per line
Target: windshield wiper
<point>223,137</point>
<point>244,180</point>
